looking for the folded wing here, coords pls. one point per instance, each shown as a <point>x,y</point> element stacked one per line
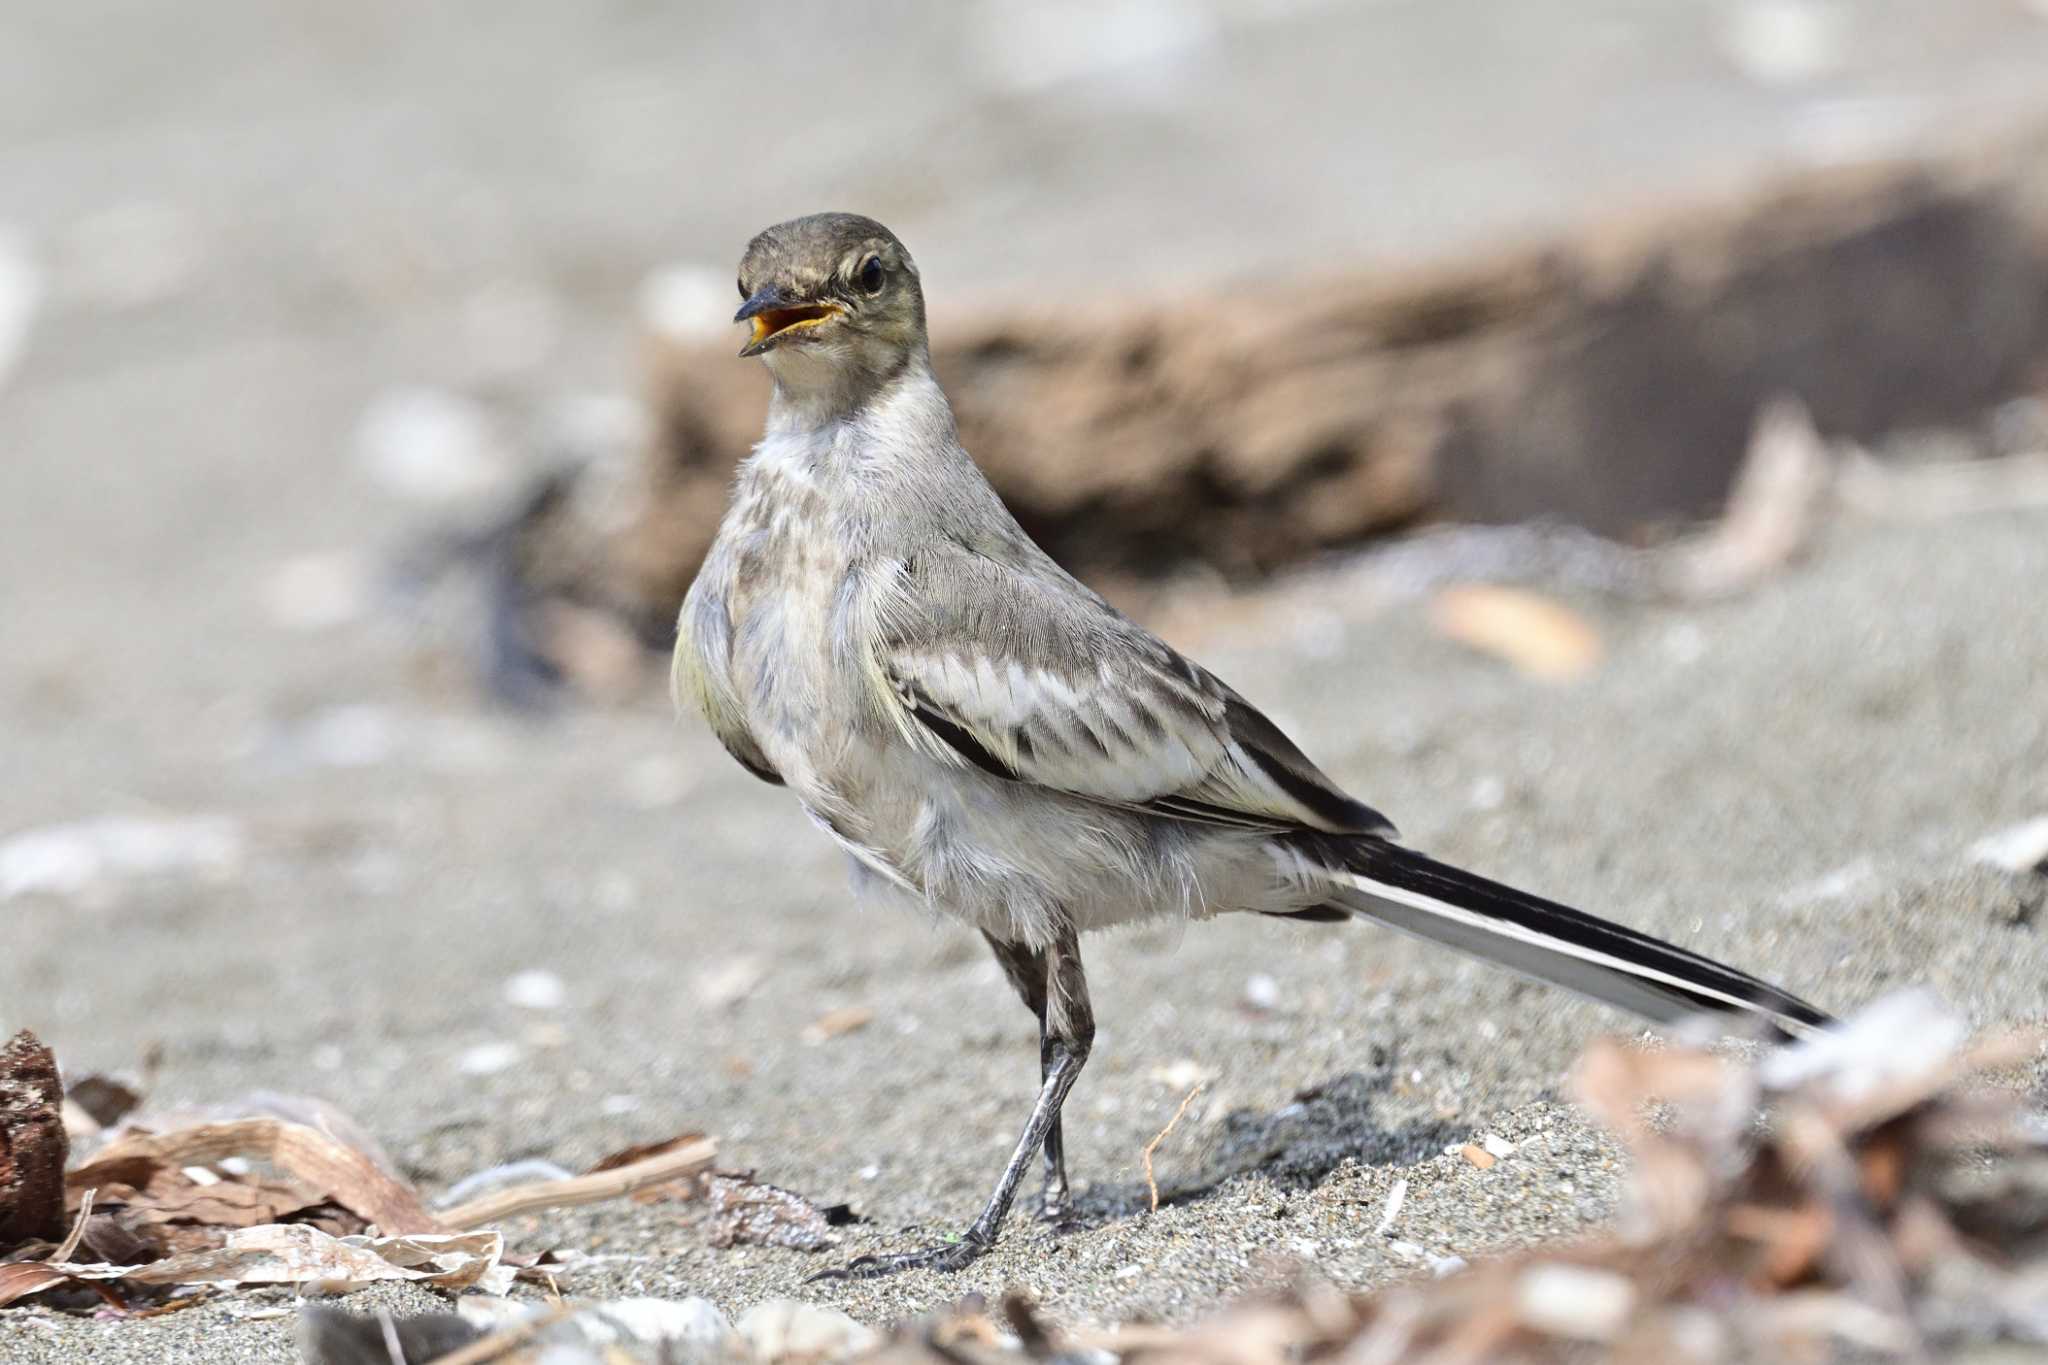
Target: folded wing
<point>1044,683</point>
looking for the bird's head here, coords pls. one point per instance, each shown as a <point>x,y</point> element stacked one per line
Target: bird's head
<point>833,300</point>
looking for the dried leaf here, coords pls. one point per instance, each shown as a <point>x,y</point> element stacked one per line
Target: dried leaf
<point>293,1253</point>
<point>726,983</point>
<point>106,1100</point>
<point>837,1023</point>
<point>19,1279</point>
<point>177,1213</point>
<point>342,1174</point>
<point>1541,638</point>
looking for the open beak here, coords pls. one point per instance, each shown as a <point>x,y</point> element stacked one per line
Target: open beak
<point>775,315</point>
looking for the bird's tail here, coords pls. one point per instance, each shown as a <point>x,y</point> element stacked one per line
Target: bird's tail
<point>1405,890</point>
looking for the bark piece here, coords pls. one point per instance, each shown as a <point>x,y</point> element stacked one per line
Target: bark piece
<point>33,1145</point>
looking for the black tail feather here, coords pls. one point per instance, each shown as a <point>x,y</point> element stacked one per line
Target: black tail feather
<point>1411,892</point>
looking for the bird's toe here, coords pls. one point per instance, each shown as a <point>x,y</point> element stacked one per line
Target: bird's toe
<point>945,1258</point>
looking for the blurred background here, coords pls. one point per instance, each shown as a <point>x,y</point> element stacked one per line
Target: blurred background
<point>1609,436</point>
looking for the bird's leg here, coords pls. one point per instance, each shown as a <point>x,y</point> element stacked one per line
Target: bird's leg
<point>1026,968</point>
<point>1068,1033</point>
<point>1054,1197</point>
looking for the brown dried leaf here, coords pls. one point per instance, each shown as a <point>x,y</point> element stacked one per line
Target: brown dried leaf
<point>293,1253</point>
<point>176,1213</point>
<point>837,1023</point>
<point>1541,638</point>
<point>108,1237</point>
<point>313,1158</point>
<point>105,1100</point>
<point>19,1279</point>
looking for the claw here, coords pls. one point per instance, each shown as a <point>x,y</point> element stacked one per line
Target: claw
<point>945,1259</point>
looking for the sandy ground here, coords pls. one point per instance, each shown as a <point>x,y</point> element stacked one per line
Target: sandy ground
<point>1792,781</point>
<point>242,226</point>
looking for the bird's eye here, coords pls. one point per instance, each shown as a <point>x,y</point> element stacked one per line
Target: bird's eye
<point>871,275</point>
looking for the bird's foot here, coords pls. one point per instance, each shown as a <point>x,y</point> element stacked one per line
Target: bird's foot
<point>947,1258</point>
<point>1055,1204</point>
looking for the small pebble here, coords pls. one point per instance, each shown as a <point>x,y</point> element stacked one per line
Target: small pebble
<point>1573,1301</point>
<point>315,592</point>
<point>88,855</point>
<point>354,735</point>
<point>1785,42</point>
<point>687,303</point>
<point>1262,992</point>
<point>2019,848</point>
<point>487,1059</point>
<point>535,989</point>
<point>727,983</point>
<point>431,446</point>
<point>1183,1074</point>
<point>1395,1198</point>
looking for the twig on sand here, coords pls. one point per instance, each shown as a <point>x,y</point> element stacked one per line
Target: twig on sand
<point>1151,1185</point>
<point>77,1233</point>
<point>688,1159</point>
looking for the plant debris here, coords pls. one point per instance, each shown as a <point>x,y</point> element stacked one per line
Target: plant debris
<point>1541,638</point>
<point>1889,1202</point>
<point>1151,1185</point>
<point>838,1023</point>
<point>33,1144</point>
<point>739,1210</point>
<point>254,1200</point>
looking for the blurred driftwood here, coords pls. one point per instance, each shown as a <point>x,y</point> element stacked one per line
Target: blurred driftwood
<point>1609,380</point>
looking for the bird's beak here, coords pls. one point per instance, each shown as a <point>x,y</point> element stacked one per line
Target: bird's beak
<point>775,315</point>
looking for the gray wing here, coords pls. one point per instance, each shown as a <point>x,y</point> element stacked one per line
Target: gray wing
<point>1034,679</point>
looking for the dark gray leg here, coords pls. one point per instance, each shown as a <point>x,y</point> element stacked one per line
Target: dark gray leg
<point>1026,969</point>
<point>1068,1032</point>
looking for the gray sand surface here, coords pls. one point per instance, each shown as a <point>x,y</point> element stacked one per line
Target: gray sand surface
<point>1792,781</point>
<point>245,222</point>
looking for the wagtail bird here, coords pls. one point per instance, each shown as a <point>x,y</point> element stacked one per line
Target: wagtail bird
<point>872,630</point>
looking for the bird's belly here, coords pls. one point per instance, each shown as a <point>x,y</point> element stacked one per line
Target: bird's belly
<point>1017,862</point>
<point>1009,858</point>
